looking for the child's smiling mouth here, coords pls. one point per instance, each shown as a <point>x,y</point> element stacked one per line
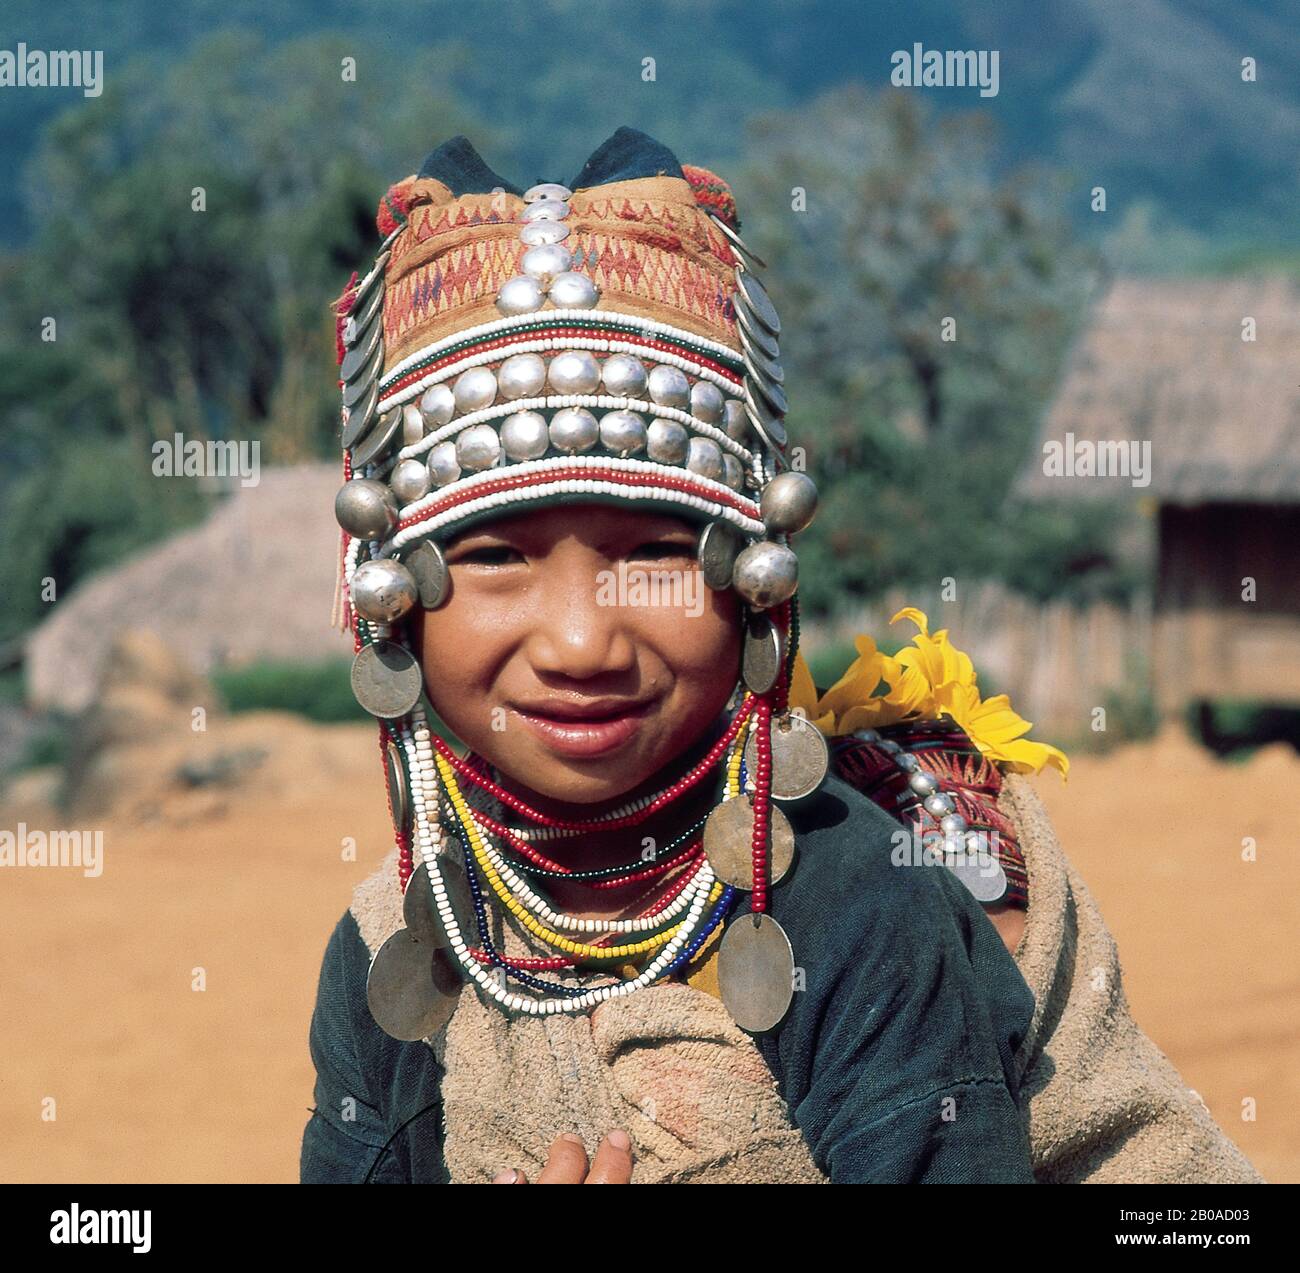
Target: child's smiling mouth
<point>584,728</point>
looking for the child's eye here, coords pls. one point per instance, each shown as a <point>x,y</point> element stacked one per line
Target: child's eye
<point>488,555</point>
<point>662,550</point>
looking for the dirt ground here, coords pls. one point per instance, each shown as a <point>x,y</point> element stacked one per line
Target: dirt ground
<point>153,1080</point>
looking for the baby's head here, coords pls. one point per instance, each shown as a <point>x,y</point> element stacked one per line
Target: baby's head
<point>568,500</point>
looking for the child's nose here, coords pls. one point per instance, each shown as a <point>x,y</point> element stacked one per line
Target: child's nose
<point>574,634</point>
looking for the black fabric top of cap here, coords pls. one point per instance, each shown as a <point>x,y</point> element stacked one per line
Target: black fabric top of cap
<point>626,155</point>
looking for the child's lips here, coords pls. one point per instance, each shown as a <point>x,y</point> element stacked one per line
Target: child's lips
<point>584,729</point>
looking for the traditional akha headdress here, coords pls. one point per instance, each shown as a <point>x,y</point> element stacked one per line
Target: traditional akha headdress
<point>608,340</point>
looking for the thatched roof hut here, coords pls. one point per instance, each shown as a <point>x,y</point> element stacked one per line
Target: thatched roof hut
<point>1201,377</point>
<point>1165,362</point>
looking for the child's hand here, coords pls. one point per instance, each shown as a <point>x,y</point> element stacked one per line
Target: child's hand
<point>567,1163</point>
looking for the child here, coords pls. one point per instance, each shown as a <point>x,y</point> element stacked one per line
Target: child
<point>648,911</point>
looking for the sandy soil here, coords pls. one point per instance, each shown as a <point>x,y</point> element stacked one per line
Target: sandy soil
<point>154,1080</point>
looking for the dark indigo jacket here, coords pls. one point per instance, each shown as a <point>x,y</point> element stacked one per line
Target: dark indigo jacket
<point>911,998</point>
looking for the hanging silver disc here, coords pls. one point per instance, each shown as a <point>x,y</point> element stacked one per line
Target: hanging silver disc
<point>376,441</point>
<point>729,843</point>
<point>355,360</point>
<point>366,284</point>
<point>752,334</point>
<point>717,549</point>
<point>360,417</point>
<point>764,419</point>
<point>399,794</point>
<point>737,242</point>
<point>427,563</point>
<point>759,302</point>
<point>761,654</point>
<point>982,873</point>
<point>354,390</point>
<point>412,988</point>
<point>800,756</point>
<point>418,911</point>
<point>358,325</point>
<point>756,972</point>
<point>386,679</point>
<point>765,368</point>
<point>772,393</point>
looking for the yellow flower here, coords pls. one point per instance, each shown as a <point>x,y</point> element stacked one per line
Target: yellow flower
<point>928,679</point>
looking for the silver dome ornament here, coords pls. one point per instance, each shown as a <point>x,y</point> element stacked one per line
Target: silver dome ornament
<point>521,376</point>
<point>574,371</point>
<point>359,418</point>
<point>428,568</point>
<point>574,429</point>
<point>718,546</point>
<point>669,387</point>
<point>704,456</point>
<point>409,480</point>
<point>571,290</point>
<point>478,448</point>
<point>377,441</point>
<point>667,442</point>
<point>733,471</point>
<point>365,508</point>
<point>524,435</point>
<point>735,421</point>
<point>622,432</point>
<point>545,210</point>
<point>520,295</point>
<point>766,574</point>
<point>940,804</point>
<point>547,190</point>
<point>383,590</point>
<point>953,824</point>
<point>535,233</point>
<point>438,405</point>
<point>788,503</point>
<point>474,389</point>
<point>443,465</point>
<point>412,424</point>
<point>545,262</point>
<point>707,402</point>
<point>624,376</point>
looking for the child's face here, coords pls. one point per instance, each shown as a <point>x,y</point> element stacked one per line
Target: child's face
<point>560,660</point>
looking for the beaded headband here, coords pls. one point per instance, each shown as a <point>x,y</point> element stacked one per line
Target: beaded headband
<point>604,341</point>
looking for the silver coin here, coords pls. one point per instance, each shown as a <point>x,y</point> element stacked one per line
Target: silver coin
<point>427,563</point>
<point>764,367</point>
<point>729,843</point>
<point>386,679</point>
<point>762,654</point>
<point>360,318</point>
<point>982,873</point>
<point>357,358</point>
<point>366,284</point>
<point>800,756</point>
<point>752,334</point>
<point>764,419</point>
<point>412,988</point>
<point>377,440</point>
<point>759,302</point>
<point>737,242</point>
<point>399,791</point>
<point>354,389</point>
<point>719,543</point>
<point>756,972</point>
<point>359,417</point>
<point>772,393</point>
<point>418,911</point>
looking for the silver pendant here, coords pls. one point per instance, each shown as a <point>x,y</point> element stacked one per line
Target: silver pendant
<point>366,284</point>
<point>412,988</point>
<point>717,549</point>
<point>377,440</point>
<point>432,576</point>
<point>982,874</point>
<point>737,242</point>
<point>357,327</point>
<point>761,416</point>
<point>355,360</point>
<point>760,304</point>
<point>761,655</point>
<point>752,334</point>
<point>386,679</point>
<point>398,791</point>
<point>729,843</point>
<point>756,972</point>
<point>354,390</point>
<point>772,393</point>
<point>417,909</point>
<point>800,757</point>
<point>765,368</point>
<point>359,417</point>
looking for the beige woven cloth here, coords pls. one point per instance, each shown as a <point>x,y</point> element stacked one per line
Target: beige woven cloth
<point>692,1090</point>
